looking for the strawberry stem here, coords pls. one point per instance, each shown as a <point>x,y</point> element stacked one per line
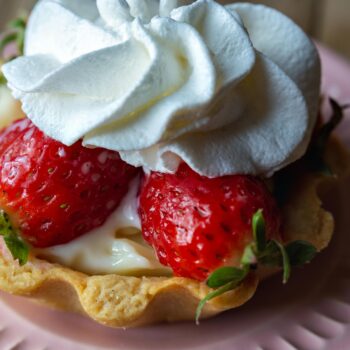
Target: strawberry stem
<point>217,292</point>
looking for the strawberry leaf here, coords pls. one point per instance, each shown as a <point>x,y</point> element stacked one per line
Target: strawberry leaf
<point>222,290</point>
<point>210,296</point>
<point>5,224</point>
<point>285,261</point>
<point>2,79</point>
<point>300,252</point>
<point>259,252</point>
<point>17,247</point>
<point>18,23</point>
<point>224,279</point>
<point>271,256</point>
<point>225,275</point>
<point>7,39</point>
<point>258,224</point>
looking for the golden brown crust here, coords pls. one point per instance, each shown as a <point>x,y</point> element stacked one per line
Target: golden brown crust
<point>118,301</point>
<point>113,300</point>
<point>303,215</point>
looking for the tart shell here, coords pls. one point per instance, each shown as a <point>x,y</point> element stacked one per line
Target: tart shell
<point>120,301</point>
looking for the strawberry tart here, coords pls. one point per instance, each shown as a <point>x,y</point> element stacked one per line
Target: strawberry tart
<point>168,158</point>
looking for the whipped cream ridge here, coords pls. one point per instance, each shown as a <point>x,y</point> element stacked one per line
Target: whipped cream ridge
<point>227,89</point>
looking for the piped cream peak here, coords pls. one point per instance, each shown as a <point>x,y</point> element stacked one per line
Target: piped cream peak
<point>227,89</point>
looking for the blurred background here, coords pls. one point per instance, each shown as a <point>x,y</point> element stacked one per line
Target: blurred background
<point>326,20</point>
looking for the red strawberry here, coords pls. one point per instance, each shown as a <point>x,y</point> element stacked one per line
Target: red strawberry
<point>196,224</point>
<point>54,193</point>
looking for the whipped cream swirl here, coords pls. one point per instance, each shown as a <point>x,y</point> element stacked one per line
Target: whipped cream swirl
<point>227,89</point>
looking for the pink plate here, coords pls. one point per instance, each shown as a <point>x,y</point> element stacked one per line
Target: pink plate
<point>312,312</point>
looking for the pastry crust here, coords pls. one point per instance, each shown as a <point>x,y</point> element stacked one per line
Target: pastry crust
<point>119,301</point>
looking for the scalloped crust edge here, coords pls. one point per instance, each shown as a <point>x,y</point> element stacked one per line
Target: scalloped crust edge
<point>119,301</point>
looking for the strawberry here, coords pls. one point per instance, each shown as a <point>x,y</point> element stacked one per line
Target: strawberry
<point>197,224</point>
<point>54,193</point>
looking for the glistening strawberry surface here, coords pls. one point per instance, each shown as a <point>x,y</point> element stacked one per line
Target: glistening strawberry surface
<point>54,193</point>
<point>198,224</point>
